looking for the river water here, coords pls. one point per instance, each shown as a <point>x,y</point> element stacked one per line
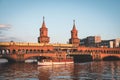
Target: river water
<point>103,70</point>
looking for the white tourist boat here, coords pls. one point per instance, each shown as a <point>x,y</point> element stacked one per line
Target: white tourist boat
<point>50,62</point>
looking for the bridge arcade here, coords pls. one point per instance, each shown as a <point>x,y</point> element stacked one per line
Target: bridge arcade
<point>21,51</point>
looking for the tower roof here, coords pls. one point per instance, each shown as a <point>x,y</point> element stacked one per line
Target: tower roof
<point>43,24</point>
<point>74,27</point>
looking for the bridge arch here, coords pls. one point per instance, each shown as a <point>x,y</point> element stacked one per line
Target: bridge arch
<point>111,58</point>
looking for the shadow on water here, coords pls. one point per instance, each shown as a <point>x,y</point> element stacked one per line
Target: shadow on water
<point>111,58</point>
<point>82,58</point>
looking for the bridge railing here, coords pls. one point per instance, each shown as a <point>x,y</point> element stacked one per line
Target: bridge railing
<point>87,51</point>
<point>78,53</point>
<point>3,52</point>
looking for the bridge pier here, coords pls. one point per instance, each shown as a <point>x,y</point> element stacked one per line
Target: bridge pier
<point>96,56</point>
<point>20,58</point>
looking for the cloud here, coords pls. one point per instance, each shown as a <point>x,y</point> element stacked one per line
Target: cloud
<point>4,31</point>
<point>5,26</point>
<point>3,38</point>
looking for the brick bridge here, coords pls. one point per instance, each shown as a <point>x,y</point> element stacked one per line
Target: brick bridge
<point>21,52</point>
<point>96,53</point>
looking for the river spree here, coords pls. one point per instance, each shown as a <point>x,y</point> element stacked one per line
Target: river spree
<point>103,70</point>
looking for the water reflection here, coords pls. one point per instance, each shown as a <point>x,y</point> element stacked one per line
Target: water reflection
<point>18,71</point>
<point>3,60</point>
<point>82,71</point>
<point>98,71</point>
<point>55,72</point>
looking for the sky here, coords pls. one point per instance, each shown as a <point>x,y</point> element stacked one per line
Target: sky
<point>20,20</point>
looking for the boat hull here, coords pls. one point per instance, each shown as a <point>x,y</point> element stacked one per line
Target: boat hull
<point>52,63</point>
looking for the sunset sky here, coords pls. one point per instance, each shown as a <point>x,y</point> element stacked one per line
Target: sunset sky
<point>20,20</point>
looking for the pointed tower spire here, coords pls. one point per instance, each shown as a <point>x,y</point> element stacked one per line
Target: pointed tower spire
<point>73,22</point>
<point>43,18</point>
<point>43,25</point>
<point>74,27</point>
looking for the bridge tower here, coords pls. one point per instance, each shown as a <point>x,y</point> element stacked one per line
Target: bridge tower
<point>74,36</point>
<point>43,38</point>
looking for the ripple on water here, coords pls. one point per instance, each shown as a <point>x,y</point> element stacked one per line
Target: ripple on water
<point>84,71</point>
<point>26,79</point>
<point>69,78</point>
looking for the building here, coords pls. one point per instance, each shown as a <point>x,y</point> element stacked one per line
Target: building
<point>113,43</point>
<point>91,41</point>
<point>116,42</point>
<point>107,43</point>
<point>74,36</point>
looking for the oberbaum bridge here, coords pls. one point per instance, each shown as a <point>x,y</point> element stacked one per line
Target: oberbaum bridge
<point>21,51</point>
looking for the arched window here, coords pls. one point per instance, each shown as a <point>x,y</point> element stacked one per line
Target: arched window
<point>38,51</point>
<point>42,51</point>
<point>23,51</point>
<point>27,51</point>
<point>34,51</point>
<point>13,51</point>
<point>48,50</point>
<point>30,50</point>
